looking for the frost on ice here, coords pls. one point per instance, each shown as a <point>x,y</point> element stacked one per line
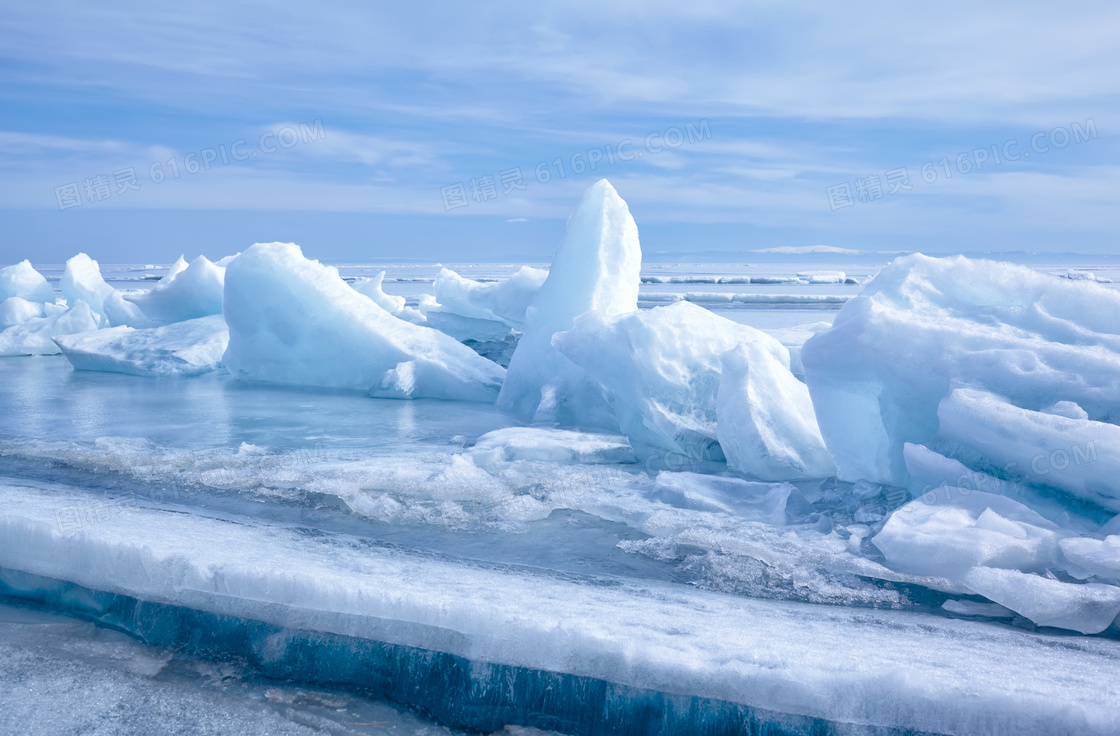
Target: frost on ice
<point>295,321</point>
<point>597,267</point>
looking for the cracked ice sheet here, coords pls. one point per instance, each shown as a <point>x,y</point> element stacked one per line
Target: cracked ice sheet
<point>443,488</point>
<point>846,665</point>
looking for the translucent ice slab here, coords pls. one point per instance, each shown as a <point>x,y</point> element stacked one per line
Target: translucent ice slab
<point>863,670</point>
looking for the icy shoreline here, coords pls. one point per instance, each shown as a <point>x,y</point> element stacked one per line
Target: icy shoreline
<point>457,691</point>
<point>858,667</point>
<point>584,473</point>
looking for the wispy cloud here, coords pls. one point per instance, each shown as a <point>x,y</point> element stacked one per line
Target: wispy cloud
<point>798,98</point>
<point>30,144</point>
<point>953,61</point>
<point>368,150</point>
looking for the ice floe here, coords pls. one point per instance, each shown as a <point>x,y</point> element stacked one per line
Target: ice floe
<point>924,325</point>
<point>186,348</point>
<point>597,267</point>
<point>295,321</point>
<point>24,282</point>
<point>186,292</point>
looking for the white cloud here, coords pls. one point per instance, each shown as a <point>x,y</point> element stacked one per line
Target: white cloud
<point>798,97</point>
<point>369,150</point>
<point>952,61</point>
<point>27,144</point>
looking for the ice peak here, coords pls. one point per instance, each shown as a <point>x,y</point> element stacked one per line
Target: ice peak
<point>597,267</point>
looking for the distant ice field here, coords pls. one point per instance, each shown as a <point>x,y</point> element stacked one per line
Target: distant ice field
<point>771,295</point>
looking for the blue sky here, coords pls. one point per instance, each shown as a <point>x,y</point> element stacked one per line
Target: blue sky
<point>787,123</point>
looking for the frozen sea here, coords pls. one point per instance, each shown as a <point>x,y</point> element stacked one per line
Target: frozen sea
<point>211,556</point>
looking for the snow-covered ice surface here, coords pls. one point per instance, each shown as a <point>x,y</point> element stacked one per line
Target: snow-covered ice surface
<point>320,544</point>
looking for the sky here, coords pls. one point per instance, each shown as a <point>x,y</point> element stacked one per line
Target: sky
<point>139,131</point>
